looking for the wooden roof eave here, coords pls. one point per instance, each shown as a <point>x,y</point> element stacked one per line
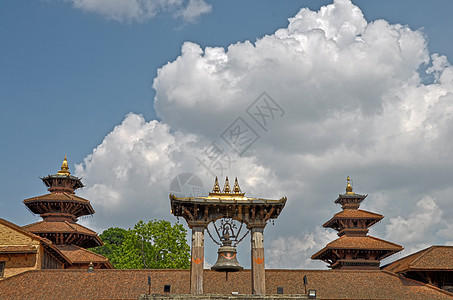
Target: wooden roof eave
<point>48,198</point>
<point>390,252</point>
<point>55,251</point>
<point>77,180</point>
<point>226,201</point>
<point>332,222</point>
<point>319,254</point>
<point>351,196</point>
<point>426,270</point>
<point>357,247</point>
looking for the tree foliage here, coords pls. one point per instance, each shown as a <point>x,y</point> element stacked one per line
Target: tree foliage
<point>153,245</point>
<point>113,239</point>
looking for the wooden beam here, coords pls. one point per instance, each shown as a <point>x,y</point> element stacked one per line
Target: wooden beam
<point>269,214</point>
<point>189,214</point>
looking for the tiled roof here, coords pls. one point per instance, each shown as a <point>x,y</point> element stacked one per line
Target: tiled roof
<point>129,284</point>
<point>73,233</point>
<point>34,203</point>
<point>18,249</point>
<point>19,229</point>
<point>58,226</point>
<point>58,197</point>
<point>345,197</point>
<point>358,214</point>
<point>360,242</point>
<point>439,258</point>
<point>78,254</point>
<point>354,214</point>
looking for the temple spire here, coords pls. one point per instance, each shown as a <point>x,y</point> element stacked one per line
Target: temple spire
<point>64,168</point>
<point>226,187</point>
<point>236,188</point>
<point>60,211</point>
<point>216,188</point>
<point>354,249</point>
<point>349,188</point>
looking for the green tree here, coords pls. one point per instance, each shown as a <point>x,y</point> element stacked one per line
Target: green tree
<point>113,239</point>
<point>153,245</point>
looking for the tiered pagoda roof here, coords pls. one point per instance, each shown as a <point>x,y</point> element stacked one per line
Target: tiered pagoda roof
<point>354,249</point>
<point>65,233</point>
<point>59,206</point>
<point>60,210</point>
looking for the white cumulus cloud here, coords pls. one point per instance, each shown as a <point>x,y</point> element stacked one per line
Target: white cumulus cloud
<point>346,97</point>
<point>413,228</point>
<point>295,251</point>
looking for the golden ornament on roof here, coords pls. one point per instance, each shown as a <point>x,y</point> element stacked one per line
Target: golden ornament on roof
<point>216,188</point>
<point>226,187</point>
<point>64,168</point>
<point>236,188</point>
<point>349,188</point>
<point>227,192</point>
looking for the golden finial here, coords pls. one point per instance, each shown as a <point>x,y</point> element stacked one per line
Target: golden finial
<point>349,188</point>
<point>216,188</point>
<point>226,187</point>
<point>64,168</point>
<point>236,188</point>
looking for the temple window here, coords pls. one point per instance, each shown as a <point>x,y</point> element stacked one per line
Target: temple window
<point>2,268</point>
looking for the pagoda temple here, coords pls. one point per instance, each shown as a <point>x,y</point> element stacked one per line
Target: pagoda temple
<point>60,210</point>
<point>354,249</point>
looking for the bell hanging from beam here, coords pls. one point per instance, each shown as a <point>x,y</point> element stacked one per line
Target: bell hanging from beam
<point>227,261</point>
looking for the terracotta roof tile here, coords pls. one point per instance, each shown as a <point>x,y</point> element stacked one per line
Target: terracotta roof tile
<point>362,242</point>
<point>129,284</point>
<point>34,204</point>
<point>20,229</point>
<point>354,214</point>
<point>359,242</point>
<point>432,258</point>
<point>78,254</point>
<point>58,197</point>
<point>58,226</point>
<point>358,214</point>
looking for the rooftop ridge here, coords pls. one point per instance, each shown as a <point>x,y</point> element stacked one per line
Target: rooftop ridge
<point>382,240</point>
<point>103,258</point>
<point>359,210</point>
<point>67,223</point>
<point>425,251</point>
<point>70,197</point>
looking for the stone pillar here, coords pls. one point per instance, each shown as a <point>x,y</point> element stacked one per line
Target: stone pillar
<point>196,267</point>
<point>258,270</point>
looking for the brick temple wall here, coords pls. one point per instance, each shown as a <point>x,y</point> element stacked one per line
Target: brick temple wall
<point>18,263</point>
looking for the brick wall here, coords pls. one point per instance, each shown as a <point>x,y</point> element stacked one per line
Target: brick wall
<point>18,263</point>
<point>9,236</point>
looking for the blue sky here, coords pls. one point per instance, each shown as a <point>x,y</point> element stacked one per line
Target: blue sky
<point>70,75</point>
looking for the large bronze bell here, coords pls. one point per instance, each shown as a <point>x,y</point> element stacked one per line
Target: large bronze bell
<point>227,261</point>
